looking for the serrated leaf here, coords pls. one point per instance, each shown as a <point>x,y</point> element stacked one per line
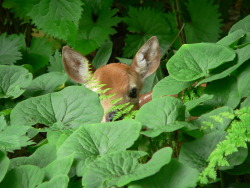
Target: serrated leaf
<point>60,181</point>
<point>196,153</point>
<point>103,54</point>
<point>120,168</point>
<point>10,48</point>
<point>23,176</point>
<point>45,83</point>
<point>72,104</point>
<point>56,64</point>
<point>21,8</point>
<point>91,141</point>
<point>161,113</point>
<point>205,22</point>
<point>170,86</point>
<point>13,81</point>
<point>95,26</point>
<point>38,54</point>
<point>193,61</point>
<point>4,165</point>
<point>57,17</point>
<point>14,137</point>
<point>145,23</point>
<point>170,176</point>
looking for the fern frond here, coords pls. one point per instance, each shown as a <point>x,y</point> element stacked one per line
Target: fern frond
<point>238,136</point>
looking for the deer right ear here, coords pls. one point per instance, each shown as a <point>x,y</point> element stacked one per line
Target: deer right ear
<point>75,65</point>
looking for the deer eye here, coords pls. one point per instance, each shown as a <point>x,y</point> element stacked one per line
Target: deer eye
<point>133,93</point>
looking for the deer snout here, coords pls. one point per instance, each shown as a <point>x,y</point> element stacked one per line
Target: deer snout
<point>111,115</point>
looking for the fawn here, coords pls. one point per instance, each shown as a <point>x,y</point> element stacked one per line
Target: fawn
<point>124,80</point>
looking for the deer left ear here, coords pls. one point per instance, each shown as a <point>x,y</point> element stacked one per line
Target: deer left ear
<point>148,58</point>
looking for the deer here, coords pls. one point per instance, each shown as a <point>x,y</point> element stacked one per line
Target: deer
<point>123,80</point>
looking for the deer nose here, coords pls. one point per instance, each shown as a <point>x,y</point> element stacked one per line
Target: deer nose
<point>110,116</point>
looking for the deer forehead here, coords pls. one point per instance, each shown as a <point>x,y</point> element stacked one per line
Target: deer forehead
<point>119,77</point>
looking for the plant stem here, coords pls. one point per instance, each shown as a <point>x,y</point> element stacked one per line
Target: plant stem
<point>180,22</point>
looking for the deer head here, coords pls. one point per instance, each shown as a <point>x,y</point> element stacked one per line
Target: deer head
<point>123,80</point>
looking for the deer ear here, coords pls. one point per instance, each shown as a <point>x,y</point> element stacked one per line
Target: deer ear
<point>75,65</point>
<point>147,59</point>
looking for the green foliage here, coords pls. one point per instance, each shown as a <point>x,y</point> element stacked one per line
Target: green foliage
<point>238,136</point>
<point>14,80</point>
<point>95,26</point>
<point>205,22</point>
<point>50,131</point>
<point>10,48</point>
<point>157,24</point>
<point>194,61</point>
<point>67,106</point>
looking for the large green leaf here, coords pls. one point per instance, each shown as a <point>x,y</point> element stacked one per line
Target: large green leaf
<point>13,81</point>
<point>145,23</point>
<point>242,55</point>
<point>57,17</point>
<point>60,181</point>
<point>95,26</point>
<point>91,141</point>
<point>9,48</point>
<point>172,175</point>
<point>162,114</point>
<point>170,86</point>
<point>72,104</point>
<point>45,83</point>
<point>60,166</point>
<point>4,164</point>
<point>120,168</point>
<point>193,61</point>
<point>225,93</point>
<point>205,22</point>
<point>23,177</point>
<point>43,156</point>
<point>196,153</point>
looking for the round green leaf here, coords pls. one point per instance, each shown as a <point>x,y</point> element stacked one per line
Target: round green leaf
<point>172,175</point>
<point>160,113</point>
<point>91,141</point>
<point>120,168</point>
<point>45,83</point>
<point>13,81</point>
<point>193,61</point>
<point>169,86</point>
<point>72,104</point>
